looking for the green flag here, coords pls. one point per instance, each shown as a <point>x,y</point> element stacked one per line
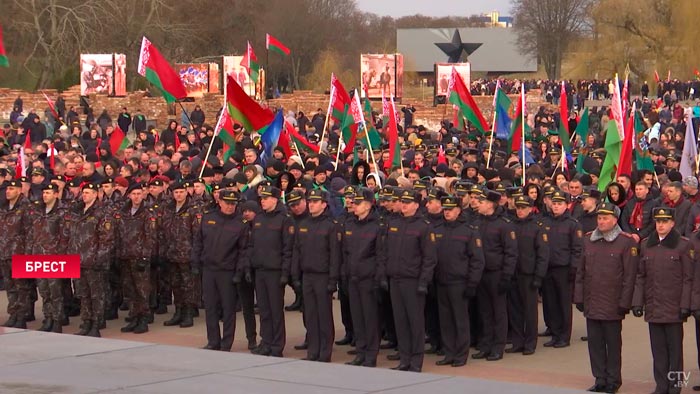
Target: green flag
<point>582,133</point>
<point>612,156</point>
<point>641,150</point>
<point>372,134</point>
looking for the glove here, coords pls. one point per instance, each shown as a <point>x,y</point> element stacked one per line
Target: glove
<point>236,279</point>
<point>248,277</point>
<point>332,287</point>
<point>284,279</point>
<point>504,285</point>
<point>194,270</point>
<point>422,289</point>
<point>469,292</point>
<point>536,283</point>
<point>637,311</point>
<point>696,314</point>
<point>579,307</point>
<point>622,311</point>
<point>684,314</point>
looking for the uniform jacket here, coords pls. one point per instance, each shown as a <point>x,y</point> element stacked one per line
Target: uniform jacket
<point>136,235</point>
<point>363,248</point>
<point>665,277</point>
<point>533,246</point>
<point>566,240</point>
<point>460,255</point>
<point>177,232</point>
<point>272,241</point>
<point>317,247</point>
<point>48,235</point>
<point>220,242</point>
<point>91,235</point>
<point>410,249</point>
<point>16,225</point>
<point>605,279</point>
<point>500,243</point>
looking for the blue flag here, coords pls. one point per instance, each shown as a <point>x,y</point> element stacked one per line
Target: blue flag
<point>503,119</point>
<point>271,135</point>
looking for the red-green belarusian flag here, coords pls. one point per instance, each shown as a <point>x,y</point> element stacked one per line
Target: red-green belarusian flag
<point>224,130</point>
<point>3,55</point>
<point>341,104</point>
<point>460,96</point>
<point>118,140</point>
<point>515,140</point>
<point>245,110</point>
<point>272,44</point>
<point>157,71</point>
<point>250,62</point>
<point>392,131</point>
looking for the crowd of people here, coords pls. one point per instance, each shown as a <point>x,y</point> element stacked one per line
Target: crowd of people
<point>455,245</point>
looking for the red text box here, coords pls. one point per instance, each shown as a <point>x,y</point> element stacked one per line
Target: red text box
<point>46,266</point>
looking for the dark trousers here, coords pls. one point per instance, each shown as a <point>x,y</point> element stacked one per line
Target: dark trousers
<point>605,351</point>
<point>115,296</point>
<point>386,316</point>
<point>318,314</point>
<point>667,351</point>
<point>454,321</point>
<point>219,300</point>
<point>409,319</point>
<point>271,305</point>
<point>51,291</point>
<point>494,314</point>
<point>365,319</point>
<point>345,314</point>
<point>246,295</point>
<point>92,293</point>
<point>556,299</point>
<point>432,320</point>
<point>522,313</point>
<point>18,292</point>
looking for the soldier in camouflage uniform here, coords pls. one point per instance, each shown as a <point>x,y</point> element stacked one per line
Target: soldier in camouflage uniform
<point>179,222</point>
<point>136,241</point>
<point>48,236</point>
<point>112,201</point>
<point>160,296</point>
<point>90,234</point>
<point>16,224</point>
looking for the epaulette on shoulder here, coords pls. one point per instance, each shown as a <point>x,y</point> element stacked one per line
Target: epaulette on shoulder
<point>685,238</point>
<point>591,232</point>
<point>540,223</point>
<point>335,221</point>
<point>628,235</point>
<point>506,219</point>
<point>426,221</point>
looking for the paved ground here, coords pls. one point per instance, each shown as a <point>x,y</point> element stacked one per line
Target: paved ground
<point>556,368</point>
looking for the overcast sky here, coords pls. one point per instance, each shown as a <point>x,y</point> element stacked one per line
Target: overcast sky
<point>397,8</point>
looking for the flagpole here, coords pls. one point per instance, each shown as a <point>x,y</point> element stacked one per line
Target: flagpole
<point>493,131</point>
<point>325,122</point>
<point>522,124</point>
<point>211,143</point>
<point>187,115</point>
<point>369,143</point>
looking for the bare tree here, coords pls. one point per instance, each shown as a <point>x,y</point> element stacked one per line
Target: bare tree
<point>547,27</point>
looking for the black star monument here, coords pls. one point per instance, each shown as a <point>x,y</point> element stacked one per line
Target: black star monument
<point>457,49</point>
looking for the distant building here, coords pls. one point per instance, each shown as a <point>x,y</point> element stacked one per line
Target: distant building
<point>493,50</point>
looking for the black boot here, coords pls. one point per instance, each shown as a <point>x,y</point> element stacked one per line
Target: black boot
<point>296,305</point>
<point>142,325</point>
<point>57,327</point>
<point>20,324</point>
<point>196,312</point>
<point>132,325</point>
<point>162,309</point>
<point>94,331</point>
<point>11,321</point>
<point>187,317</point>
<point>150,317</point>
<point>124,306</point>
<point>176,319</point>
<point>112,313</point>
<point>30,316</point>
<point>85,328</point>
<point>101,323</point>
<point>46,325</point>
<point>65,320</point>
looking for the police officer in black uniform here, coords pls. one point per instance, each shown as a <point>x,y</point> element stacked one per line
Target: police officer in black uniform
<point>501,254</point>
<point>219,252</point>
<point>363,249</point>
<point>410,251</point>
<point>317,255</point>
<point>533,258</point>
<point>270,253</point>
<point>566,247</point>
<point>460,264</point>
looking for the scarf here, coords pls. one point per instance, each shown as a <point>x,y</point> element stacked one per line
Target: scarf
<point>637,217</point>
<point>609,236</point>
<point>672,204</point>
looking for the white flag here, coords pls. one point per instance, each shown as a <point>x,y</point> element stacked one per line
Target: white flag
<point>690,151</point>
